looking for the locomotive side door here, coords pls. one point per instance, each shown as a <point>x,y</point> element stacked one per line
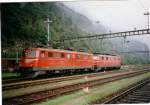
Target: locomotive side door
<point>42,58</point>
<point>69,60</point>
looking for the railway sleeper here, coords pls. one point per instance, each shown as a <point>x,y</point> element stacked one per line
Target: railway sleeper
<point>137,98</point>
<point>141,95</point>
<point>145,90</point>
<point>142,92</point>
<point>130,101</point>
<point>138,101</point>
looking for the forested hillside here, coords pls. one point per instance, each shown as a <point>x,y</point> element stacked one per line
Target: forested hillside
<point>23,24</point>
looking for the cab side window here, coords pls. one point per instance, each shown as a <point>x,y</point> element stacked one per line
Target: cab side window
<point>50,54</point>
<point>68,56</point>
<point>62,55</point>
<point>102,58</point>
<point>57,55</point>
<point>106,58</point>
<point>78,56</point>
<point>42,54</point>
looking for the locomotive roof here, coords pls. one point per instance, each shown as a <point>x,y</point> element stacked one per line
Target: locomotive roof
<point>61,50</point>
<point>108,55</point>
<point>105,54</point>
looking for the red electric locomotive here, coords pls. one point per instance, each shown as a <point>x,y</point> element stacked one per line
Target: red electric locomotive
<point>41,60</point>
<point>37,61</point>
<point>103,62</point>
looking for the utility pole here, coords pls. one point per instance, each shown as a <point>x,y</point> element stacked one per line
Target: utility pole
<point>147,13</point>
<point>48,21</point>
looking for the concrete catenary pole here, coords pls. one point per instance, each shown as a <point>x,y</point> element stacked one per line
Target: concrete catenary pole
<point>48,28</point>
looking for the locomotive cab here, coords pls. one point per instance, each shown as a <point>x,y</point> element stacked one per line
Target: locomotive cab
<point>28,60</point>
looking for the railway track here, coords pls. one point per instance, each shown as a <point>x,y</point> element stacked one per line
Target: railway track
<point>27,83</point>
<point>12,80</point>
<point>34,97</point>
<point>24,84</point>
<point>139,93</point>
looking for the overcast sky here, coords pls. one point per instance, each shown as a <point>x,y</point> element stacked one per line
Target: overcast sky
<point>116,15</point>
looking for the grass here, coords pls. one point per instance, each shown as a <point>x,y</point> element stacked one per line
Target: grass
<point>10,74</point>
<point>82,98</point>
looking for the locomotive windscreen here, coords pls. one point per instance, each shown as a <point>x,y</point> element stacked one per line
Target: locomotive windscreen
<point>30,53</point>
